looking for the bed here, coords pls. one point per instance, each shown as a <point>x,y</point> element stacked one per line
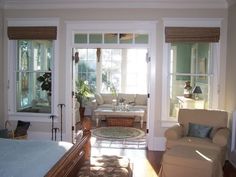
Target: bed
<point>27,158</point>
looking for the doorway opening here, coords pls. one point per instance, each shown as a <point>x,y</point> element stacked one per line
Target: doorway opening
<point>115,75</point>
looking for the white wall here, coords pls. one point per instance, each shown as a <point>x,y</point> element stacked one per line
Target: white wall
<point>231,61</point>
<point>1,69</point>
<point>231,72</point>
<point>126,14</point>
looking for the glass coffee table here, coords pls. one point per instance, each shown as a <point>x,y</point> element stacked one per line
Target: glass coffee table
<point>133,112</point>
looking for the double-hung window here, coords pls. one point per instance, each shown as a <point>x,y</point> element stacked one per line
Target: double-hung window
<point>33,66</point>
<point>34,76</point>
<point>190,61</point>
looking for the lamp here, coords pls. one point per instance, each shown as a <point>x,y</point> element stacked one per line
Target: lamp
<point>197,90</point>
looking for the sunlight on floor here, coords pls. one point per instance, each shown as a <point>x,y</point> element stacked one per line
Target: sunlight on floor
<point>141,165</point>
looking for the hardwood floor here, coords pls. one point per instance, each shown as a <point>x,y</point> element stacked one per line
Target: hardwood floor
<point>147,163</point>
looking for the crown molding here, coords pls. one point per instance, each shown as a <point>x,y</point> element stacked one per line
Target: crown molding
<point>77,4</point>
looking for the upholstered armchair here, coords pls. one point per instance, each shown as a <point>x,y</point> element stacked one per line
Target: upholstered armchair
<point>201,129</point>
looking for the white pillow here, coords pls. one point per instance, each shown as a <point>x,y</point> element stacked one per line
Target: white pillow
<point>99,98</point>
<point>141,99</point>
<point>107,97</point>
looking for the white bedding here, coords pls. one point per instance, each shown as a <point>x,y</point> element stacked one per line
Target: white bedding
<point>27,158</point>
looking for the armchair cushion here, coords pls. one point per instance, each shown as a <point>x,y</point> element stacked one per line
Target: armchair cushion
<point>221,137</point>
<point>175,132</point>
<point>217,139</point>
<point>213,118</point>
<point>198,130</point>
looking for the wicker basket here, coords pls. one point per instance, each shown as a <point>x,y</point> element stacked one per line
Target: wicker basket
<point>120,121</point>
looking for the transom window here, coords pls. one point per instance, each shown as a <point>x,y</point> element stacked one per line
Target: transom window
<point>111,38</point>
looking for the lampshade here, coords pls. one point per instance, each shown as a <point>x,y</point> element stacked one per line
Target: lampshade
<point>197,89</point>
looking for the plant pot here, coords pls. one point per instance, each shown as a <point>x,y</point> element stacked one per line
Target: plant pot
<point>81,112</point>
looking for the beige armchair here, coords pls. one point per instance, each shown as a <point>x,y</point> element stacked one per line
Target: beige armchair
<point>216,139</point>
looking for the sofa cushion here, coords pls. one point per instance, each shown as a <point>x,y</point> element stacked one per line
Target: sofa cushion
<point>198,130</point>
<point>107,98</point>
<point>129,98</point>
<point>99,98</point>
<point>141,99</point>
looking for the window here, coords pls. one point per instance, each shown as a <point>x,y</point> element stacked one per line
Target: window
<point>34,76</point>
<point>109,69</point>
<point>189,62</point>
<point>86,66</point>
<point>32,44</point>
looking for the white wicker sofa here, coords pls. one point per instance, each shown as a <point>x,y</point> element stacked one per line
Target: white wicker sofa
<point>104,100</point>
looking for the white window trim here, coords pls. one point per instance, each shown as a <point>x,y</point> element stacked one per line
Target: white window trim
<point>148,27</point>
<point>187,22</point>
<point>38,117</point>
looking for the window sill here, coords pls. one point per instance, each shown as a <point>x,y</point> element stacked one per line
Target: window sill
<point>33,117</point>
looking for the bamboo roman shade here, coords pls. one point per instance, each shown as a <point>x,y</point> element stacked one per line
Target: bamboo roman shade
<point>35,32</point>
<point>192,34</point>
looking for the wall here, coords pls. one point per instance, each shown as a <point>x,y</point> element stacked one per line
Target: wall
<point>1,70</point>
<point>231,61</point>
<point>231,72</point>
<point>124,14</point>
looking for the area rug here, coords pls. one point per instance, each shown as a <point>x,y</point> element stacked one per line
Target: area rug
<point>118,137</point>
<point>118,133</point>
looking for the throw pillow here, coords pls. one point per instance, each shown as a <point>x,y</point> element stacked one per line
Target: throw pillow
<point>141,99</point>
<point>99,98</point>
<point>200,131</point>
<point>21,128</point>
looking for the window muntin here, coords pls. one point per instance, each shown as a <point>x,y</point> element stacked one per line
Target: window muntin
<point>34,60</point>
<point>189,62</point>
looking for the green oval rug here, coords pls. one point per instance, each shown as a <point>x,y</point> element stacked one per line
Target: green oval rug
<point>118,133</point>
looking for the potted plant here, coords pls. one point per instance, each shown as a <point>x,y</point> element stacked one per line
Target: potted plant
<point>82,94</point>
<point>46,83</point>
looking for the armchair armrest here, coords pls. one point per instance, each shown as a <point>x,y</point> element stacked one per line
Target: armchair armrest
<point>175,132</point>
<point>221,137</point>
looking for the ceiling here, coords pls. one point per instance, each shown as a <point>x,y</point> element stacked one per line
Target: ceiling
<point>55,4</point>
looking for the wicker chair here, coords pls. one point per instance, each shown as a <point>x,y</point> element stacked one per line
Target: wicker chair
<point>21,129</point>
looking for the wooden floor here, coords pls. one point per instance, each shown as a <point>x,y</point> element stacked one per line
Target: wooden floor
<point>147,163</point>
